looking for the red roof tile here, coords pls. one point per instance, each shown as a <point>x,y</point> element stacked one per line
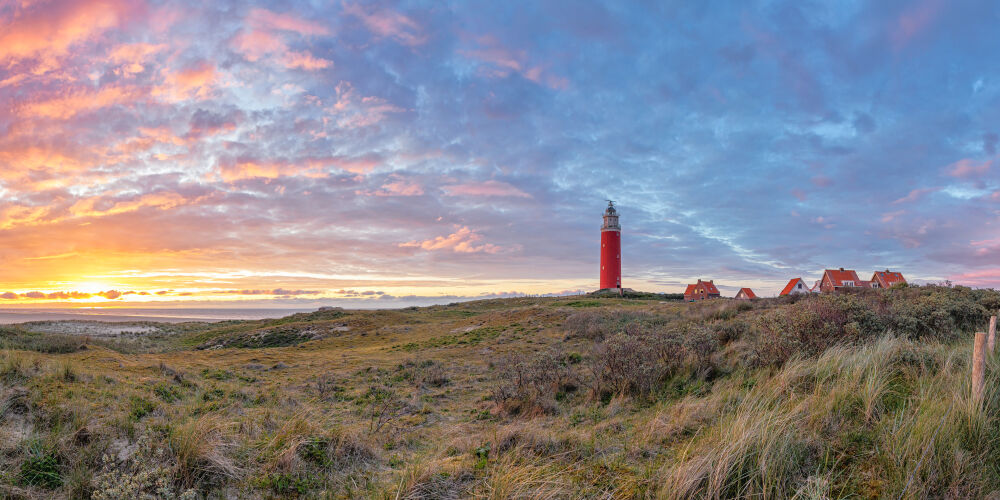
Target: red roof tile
<point>838,276</point>
<point>707,285</point>
<point>888,278</point>
<point>791,286</point>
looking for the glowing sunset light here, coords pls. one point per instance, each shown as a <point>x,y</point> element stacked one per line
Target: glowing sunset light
<point>385,154</point>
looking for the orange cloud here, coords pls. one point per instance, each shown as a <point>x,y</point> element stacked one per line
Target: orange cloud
<point>89,207</point>
<point>488,188</point>
<point>131,58</point>
<point>195,80</point>
<point>304,60</point>
<point>276,291</point>
<point>51,28</point>
<point>254,169</point>
<point>461,241</point>
<point>77,101</point>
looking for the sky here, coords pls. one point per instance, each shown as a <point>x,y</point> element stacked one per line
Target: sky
<point>387,153</point>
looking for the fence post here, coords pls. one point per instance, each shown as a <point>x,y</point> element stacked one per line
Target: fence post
<point>991,340</point>
<point>978,365</point>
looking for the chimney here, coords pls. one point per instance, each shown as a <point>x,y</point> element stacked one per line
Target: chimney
<point>841,269</point>
<point>887,269</point>
<point>711,281</point>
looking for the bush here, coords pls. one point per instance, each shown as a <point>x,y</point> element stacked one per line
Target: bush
<point>637,365</point>
<point>598,325</point>
<point>41,468</point>
<point>529,386</point>
<point>813,324</point>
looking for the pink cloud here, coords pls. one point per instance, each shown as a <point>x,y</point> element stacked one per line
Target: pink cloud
<point>822,181</point>
<point>799,194</point>
<point>266,19</point>
<point>354,111</point>
<point>266,38</point>
<point>982,278</point>
<point>966,168</point>
<point>464,240</point>
<point>313,168</point>
<point>915,195</point>
<point>487,188</point>
<point>913,22</point>
<point>256,44</point>
<point>397,187</point>
<point>503,61</point>
<point>388,24</point>
<point>889,216</point>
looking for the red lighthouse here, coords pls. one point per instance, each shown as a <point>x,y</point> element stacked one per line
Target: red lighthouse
<point>611,249</point>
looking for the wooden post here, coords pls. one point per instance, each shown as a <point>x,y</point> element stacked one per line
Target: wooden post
<point>991,339</point>
<point>978,365</point>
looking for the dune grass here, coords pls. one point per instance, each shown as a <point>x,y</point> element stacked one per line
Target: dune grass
<point>528,398</point>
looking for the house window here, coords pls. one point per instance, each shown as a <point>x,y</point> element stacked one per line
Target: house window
<point>848,283</point>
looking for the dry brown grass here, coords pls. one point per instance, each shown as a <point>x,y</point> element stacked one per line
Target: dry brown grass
<point>297,421</point>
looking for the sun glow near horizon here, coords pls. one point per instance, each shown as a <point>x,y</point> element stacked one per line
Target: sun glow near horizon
<point>304,153</point>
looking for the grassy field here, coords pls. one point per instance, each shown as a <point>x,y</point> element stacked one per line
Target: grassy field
<point>861,395</point>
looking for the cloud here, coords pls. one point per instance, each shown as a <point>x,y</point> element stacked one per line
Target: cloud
<point>388,24</point>
<point>265,19</point>
<point>464,240</point>
<point>487,188</point>
<point>275,291</point>
<point>500,62</point>
<point>979,278</point>
<point>968,168</point>
<point>268,34</point>
<point>915,195</point>
<point>395,186</point>
<point>76,101</point>
<point>50,28</point>
<point>193,81</point>
<point>913,22</point>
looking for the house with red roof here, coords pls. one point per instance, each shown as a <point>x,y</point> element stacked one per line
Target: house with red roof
<point>886,279</point>
<point>701,290</point>
<point>794,286</point>
<point>837,279</point>
<point>745,294</point>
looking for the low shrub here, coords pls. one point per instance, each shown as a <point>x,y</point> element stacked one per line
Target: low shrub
<point>529,385</point>
<point>598,325</point>
<point>41,467</point>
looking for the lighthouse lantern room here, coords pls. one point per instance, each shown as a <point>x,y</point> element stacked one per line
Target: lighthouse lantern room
<point>611,249</point>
